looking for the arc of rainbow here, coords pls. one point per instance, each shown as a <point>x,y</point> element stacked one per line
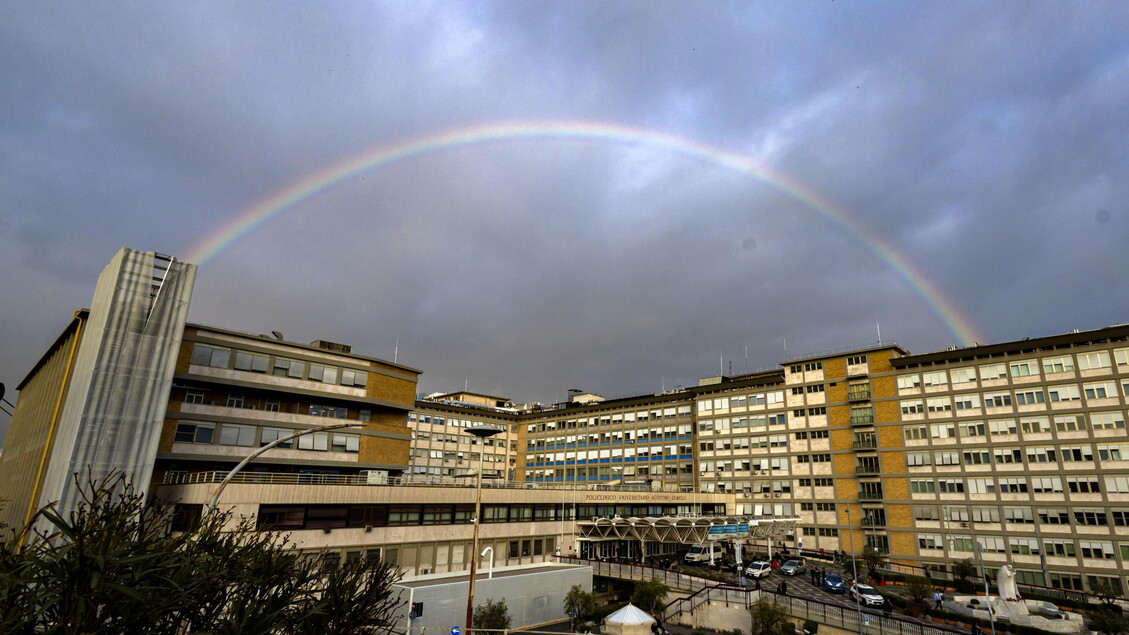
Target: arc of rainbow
<point>264,210</point>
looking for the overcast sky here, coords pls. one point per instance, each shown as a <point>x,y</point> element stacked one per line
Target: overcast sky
<point>986,143</point>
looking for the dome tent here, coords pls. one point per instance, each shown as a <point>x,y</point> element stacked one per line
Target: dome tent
<point>629,620</point>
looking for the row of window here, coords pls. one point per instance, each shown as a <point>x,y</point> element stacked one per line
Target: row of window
<point>999,370</point>
<point>1090,484</point>
<point>1112,420</point>
<point>250,436</point>
<point>613,419</point>
<point>1023,397</point>
<point>1090,517</point>
<point>618,436</point>
<point>217,357</point>
<point>1060,547</point>
<point>1016,455</point>
<point>767,399</point>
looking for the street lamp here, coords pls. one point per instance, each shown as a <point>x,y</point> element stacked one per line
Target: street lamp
<point>854,567</point>
<point>482,432</point>
<point>254,455</point>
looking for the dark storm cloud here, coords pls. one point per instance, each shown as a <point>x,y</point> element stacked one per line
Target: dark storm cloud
<point>986,142</point>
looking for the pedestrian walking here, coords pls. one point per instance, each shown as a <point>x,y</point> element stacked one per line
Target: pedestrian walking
<point>783,588</point>
<point>822,576</point>
<point>937,597</point>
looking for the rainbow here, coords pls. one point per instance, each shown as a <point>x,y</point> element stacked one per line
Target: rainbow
<point>286,197</point>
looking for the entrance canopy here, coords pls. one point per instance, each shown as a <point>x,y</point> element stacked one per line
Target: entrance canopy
<point>688,530</point>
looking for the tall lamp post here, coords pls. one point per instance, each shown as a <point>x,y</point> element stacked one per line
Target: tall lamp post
<point>854,566</point>
<point>482,432</point>
<point>254,455</point>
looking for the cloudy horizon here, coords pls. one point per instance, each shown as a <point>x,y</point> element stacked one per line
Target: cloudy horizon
<point>528,197</point>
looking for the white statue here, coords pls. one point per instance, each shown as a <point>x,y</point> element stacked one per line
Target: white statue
<point>1005,580</point>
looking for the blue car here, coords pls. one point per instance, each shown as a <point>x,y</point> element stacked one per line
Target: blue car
<point>833,583</point>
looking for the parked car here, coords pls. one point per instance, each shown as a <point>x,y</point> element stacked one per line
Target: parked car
<point>758,569</point>
<point>866,594</point>
<point>792,567</point>
<point>833,583</point>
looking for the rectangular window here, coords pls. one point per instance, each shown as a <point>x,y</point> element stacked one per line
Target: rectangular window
<point>913,406</point>
<point>909,382</point>
<point>915,433</point>
<point>235,401</point>
<point>231,434</point>
<point>993,371</point>
<point>251,362</point>
<point>273,434</point>
<point>1107,420</point>
<point>1035,425</point>
<point>935,378</point>
<point>1028,397</point>
<point>962,375</point>
<point>1063,364</point>
<point>289,368</point>
<point>356,378</point>
<point>194,396</point>
<point>346,443</point>
<point>1100,390</point>
<point>1065,392</point>
<point>324,374</point>
<point>997,399</point>
<point>195,432</point>
<point>966,402</point>
<point>1093,361</point>
<point>1070,423</point>
<point>211,356</point>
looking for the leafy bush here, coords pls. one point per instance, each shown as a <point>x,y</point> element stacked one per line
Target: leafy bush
<point>115,565</point>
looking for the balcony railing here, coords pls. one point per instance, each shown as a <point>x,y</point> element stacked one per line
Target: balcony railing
<point>869,418</point>
<point>414,480</point>
<point>870,496</point>
<point>864,444</point>
<point>867,469</point>
<point>858,395</point>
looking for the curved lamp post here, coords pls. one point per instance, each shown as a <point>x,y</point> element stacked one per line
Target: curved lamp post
<point>482,432</point>
<point>254,455</point>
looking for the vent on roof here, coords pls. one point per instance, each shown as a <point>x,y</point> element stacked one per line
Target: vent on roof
<point>332,346</point>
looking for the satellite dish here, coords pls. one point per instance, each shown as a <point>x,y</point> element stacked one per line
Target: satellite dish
<point>277,335</point>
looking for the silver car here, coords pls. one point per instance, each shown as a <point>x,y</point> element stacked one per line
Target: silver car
<point>792,567</point>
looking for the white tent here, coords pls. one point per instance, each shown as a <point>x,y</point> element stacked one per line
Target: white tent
<point>629,620</point>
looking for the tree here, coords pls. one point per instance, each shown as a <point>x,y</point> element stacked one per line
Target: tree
<point>1108,592</point>
<point>649,594</point>
<point>919,591</point>
<point>769,618</point>
<point>873,560</point>
<point>1107,622</point>
<point>962,571</point>
<point>492,615</point>
<point>579,603</point>
<point>115,565</point>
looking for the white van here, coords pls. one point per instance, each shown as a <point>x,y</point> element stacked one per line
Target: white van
<point>703,553</point>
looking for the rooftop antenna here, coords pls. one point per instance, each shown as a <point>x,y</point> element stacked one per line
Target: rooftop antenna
<point>721,364</point>
<point>879,327</point>
<point>396,351</point>
<point>466,383</point>
<point>785,344</point>
<point>746,358</point>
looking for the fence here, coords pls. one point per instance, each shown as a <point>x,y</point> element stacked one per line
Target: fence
<point>704,590</point>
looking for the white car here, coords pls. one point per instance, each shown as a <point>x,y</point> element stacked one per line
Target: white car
<point>866,594</point>
<point>758,569</point>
